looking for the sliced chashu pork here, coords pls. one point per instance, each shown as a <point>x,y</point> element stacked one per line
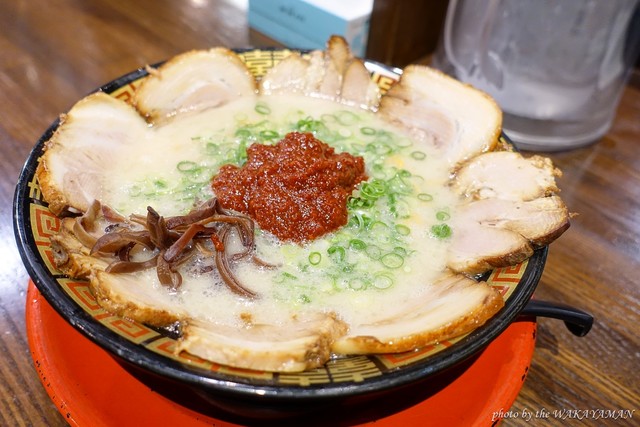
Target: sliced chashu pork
<point>77,158</point>
<point>304,342</point>
<point>291,75</point>
<point>194,80</point>
<point>508,208</point>
<point>332,74</point>
<point>458,120</point>
<point>491,233</point>
<point>71,255</point>
<point>464,125</point>
<point>358,88</point>
<point>506,175</point>
<point>451,306</point>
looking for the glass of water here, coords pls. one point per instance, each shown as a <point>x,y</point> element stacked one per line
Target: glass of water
<point>557,68</point>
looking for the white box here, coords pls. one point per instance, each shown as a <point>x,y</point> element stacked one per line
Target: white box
<point>308,24</point>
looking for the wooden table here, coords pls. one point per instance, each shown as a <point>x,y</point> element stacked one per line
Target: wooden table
<point>54,52</point>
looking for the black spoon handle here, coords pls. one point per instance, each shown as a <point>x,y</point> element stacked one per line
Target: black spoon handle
<point>577,321</point>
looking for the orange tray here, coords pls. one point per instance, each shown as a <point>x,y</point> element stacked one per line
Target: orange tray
<point>90,388</point>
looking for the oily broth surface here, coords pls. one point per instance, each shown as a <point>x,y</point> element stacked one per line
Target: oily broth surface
<point>396,255</point>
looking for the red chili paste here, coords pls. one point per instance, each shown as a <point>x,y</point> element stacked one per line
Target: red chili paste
<point>296,189</point>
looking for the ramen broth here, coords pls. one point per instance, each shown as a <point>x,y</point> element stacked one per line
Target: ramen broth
<point>392,247</point>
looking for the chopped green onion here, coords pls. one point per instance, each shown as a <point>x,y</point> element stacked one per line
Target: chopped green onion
<point>400,251</point>
<point>243,133</point>
<point>392,260</point>
<point>357,244</point>
<point>378,170</point>
<point>199,176</point>
<point>373,251</point>
<point>337,252</point>
<point>403,230</point>
<point>418,155</point>
<point>425,197</point>
<point>315,258</point>
<point>188,166</point>
<point>442,216</point>
<point>398,185</point>
<point>135,190</point>
<point>360,221</point>
<point>212,149</point>
<point>309,125</point>
<point>373,189</point>
<point>357,284</point>
<point>346,118</point>
<point>304,299</point>
<point>382,281</point>
<point>359,202</point>
<point>403,142</point>
<point>160,183</point>
<point>339,284</point>
<point>284,276</point>
<point>348,268</point>
<point>399,208</point>
<point>441,231</point>
<point>357,148</point>
<point>367,130</point>
<point>258,124</point>
<point>345,133</point>
<point>379,227</point>
<point>384,137</point>
<point>378,148</point>
<point>329,118</point>
<point>268,134</point>
<point>262,108</point>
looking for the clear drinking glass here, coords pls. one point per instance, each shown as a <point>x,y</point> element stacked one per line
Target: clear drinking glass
<point>556,67</point>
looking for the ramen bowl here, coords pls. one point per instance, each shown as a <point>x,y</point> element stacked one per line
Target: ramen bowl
<point>148,353</point>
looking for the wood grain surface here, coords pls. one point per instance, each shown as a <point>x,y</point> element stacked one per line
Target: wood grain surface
<point>54,52</point>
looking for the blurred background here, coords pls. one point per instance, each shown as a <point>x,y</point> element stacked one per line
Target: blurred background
<point>397,33</point>
<point>392,32</point>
